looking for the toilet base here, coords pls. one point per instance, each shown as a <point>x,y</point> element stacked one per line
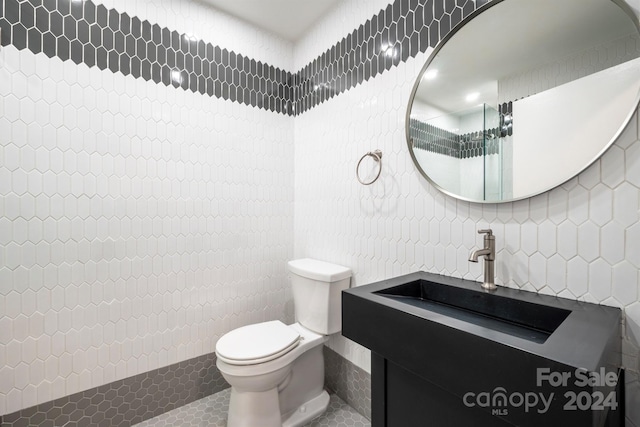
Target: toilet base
<point>251,409</point>
<point>262,412</point>
<point>307,411</point>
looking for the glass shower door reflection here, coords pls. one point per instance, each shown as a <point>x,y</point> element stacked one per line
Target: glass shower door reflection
<point>492,154</point>
<point>461,152</point>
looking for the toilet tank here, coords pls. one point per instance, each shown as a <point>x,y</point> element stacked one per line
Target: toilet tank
<point>317,287</point>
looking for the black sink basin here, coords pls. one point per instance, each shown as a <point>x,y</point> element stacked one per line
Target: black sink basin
<point>437,343</point>
<point>518,318</point>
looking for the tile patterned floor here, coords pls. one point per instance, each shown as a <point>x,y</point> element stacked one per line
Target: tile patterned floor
<point>212,412</point>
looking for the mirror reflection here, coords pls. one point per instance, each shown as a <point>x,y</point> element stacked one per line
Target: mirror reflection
<point>523,97</point>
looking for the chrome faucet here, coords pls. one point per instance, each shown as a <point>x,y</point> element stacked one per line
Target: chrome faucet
<point>489,254</point>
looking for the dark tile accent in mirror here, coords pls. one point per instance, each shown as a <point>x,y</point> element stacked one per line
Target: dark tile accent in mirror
<point>506,118</point>
<point>128,401</point>
<point>427,137</point>
<point>91,34</point>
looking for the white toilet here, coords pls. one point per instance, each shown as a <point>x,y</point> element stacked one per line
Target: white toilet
<point>276,371</point>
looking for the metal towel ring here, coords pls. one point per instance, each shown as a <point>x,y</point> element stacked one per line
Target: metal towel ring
<point>377,156</point>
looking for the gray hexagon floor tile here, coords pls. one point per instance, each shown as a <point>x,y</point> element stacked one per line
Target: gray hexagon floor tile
<point>339,414</point>
<point>212,412</point>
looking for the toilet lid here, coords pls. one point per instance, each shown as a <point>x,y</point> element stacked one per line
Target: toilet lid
<point>257,343</point>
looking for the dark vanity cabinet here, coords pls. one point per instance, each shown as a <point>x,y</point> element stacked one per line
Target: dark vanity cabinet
<point>446,353</point>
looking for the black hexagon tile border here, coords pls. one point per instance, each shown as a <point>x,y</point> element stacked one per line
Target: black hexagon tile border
<point>84,32</point>
<point>400,31</point>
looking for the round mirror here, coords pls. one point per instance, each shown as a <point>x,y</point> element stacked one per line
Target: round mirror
<point>523,96</point>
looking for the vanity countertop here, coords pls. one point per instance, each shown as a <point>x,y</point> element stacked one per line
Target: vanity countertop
<point>439,342</point>
<point>586,339</point>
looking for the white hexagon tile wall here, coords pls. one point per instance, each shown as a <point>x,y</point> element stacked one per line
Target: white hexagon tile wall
<point>139,221</point>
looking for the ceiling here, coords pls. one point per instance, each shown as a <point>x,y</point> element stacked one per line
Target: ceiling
<point>287,18</point>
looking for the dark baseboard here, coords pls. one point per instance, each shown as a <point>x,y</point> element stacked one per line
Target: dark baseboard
<point>129,401</point>
<point>135,399</point>
<point>351,383</point>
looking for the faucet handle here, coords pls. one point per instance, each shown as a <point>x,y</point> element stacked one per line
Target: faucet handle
<point>488,232</point>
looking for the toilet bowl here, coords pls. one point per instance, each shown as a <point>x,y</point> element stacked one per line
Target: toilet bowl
<point>270,392</point>
<point>276,371</point>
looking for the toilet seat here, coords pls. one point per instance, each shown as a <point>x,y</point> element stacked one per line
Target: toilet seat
<point>257,343</point>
